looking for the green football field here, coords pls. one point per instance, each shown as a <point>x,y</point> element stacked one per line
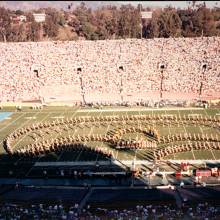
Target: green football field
<point>28,116</point>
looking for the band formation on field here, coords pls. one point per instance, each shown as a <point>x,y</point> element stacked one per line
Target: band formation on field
<point>156,136</point>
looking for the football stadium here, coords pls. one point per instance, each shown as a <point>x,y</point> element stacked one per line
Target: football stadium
<point>93,128</point>
<point>105,136</point>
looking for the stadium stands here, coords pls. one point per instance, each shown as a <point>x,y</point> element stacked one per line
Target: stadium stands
<point>36,195</point>
<point>29,205</point>
<point>131,70</point>
<point>108,196</point>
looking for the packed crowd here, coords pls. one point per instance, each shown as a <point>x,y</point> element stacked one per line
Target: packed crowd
<point>131,69</point>
<point>202,211</point>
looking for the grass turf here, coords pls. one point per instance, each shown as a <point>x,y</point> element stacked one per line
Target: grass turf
<point>29,116</point>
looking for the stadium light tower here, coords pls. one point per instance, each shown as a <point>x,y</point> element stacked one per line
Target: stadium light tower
<point>146,16</point>
<point>162,68</point>
<point>140,8</point>
<point>69,7</point>
<point>121,70</point>
<point>79,71</point>
<point>204,67</point>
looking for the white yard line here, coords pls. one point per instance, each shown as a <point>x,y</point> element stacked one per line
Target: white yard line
<point>202,130</point>
<point>117,151</point>
<point>12,121</point>
<point>138,150</point>
<point>169,132</point>
<point>58,117</point>
<point>203,133</point>
<point>78,156</point>
<point>68,132</point>
<point>135,151</point>
<point>116,155</point>
<point>102,141</point>
<point>136,109</point>
<point>50,136</point>
<point>120,110</point>
<point>21,157</point>
<point>126,114</point>
<point>17,128</point>
<point>28,132</point>
<point>188,141</point>
<point>90,134</point>
<point>206,113</point>
<point>169,127</point>
<point>217,117</point>
<point>30,117</point>
<point>210,148</point>
<point>218,114</point>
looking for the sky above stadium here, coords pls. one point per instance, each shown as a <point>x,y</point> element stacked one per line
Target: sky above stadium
<point>180,4</point>
<point>27,5</point>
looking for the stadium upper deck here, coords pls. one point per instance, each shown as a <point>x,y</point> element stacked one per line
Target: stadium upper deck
<point>131,70</point>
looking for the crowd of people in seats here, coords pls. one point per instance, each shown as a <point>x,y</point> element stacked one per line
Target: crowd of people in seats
<point>128,69</point>
<point>202,211</point>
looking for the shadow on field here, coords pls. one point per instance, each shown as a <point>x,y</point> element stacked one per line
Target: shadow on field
<point>90,167</point>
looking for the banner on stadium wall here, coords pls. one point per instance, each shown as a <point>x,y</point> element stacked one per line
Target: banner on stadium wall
<point>146,14</point>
